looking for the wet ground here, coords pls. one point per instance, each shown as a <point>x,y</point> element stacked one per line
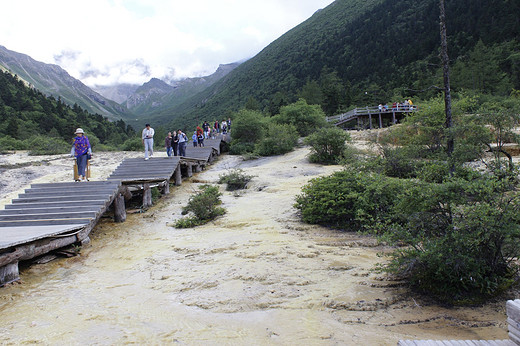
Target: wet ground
<point>255,276</point>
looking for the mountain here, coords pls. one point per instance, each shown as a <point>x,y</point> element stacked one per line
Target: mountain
<point>119,92</point>
<point>156,95</point>
<point>360,52</point>
<point>30,120</point>
<point>54,81</point>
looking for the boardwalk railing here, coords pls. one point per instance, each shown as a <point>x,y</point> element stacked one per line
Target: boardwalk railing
<point>370,111</point>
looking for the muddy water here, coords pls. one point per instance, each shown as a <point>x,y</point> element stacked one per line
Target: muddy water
<point>255,276</point>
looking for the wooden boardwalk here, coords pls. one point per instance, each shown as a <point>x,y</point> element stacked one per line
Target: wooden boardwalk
<point>364,116</point>
<point>137,170</point>
<point>47,217</point>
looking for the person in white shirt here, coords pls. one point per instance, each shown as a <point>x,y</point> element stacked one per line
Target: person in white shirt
<point>183,140</point>
<point>147,136</point>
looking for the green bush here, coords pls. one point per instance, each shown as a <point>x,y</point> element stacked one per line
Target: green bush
<point>236,179</point>
<point>133,144</point>
<point>9,143</point>
<point>350,200</point>
<point>248,126</point>
<point>279,139</point>
<point>461,238</point>
<point>327,145</point>
<point>202,206</point>
<point>41,145</point>
<point>457,237</point>
<point>239,148</point>
<point>305,118</point>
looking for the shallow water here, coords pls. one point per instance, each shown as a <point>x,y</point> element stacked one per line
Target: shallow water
<point>256,275</point>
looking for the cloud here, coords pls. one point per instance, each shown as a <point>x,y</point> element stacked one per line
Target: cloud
<point>129,41</point>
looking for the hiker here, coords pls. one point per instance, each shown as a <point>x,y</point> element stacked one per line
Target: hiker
<point>194,138</point>
<point>183,140</point>
<point>205,128</point>
<point>223,124</point>
<point>216,127</point>
<point>147,137</point>
<point>229,124</point>
<point>82,151</point>
<point>168,144</point>
<point>175,143</point>
<point>200,136</point>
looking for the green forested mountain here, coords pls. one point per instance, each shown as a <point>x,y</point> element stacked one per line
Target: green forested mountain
<point>52,80</point>
<point>30,120</point>
<point>157,96</point>
<point>359,52</point>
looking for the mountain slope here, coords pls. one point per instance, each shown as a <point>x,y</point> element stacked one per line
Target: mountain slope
<point>377,47</point>
<point>53,80</point>
<point>156,96</point>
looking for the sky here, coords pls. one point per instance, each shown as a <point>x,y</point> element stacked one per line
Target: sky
<point>107,42</point>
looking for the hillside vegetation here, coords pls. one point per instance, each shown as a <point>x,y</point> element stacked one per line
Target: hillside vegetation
<point>365,52</point>
<point>54,81</point>
<point>29,120</point>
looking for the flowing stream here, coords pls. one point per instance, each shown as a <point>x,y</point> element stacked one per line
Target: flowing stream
<point>255,276</point>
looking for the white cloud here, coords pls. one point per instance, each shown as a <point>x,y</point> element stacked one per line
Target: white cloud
<point>129,41</point>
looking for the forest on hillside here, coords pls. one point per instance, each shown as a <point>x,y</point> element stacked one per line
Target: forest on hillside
<point>359,53</point>
<point>29,120</point>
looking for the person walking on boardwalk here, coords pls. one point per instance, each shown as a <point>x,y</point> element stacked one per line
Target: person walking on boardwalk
<point>205,128</point>
<point>216,127</point>
<point>81,150</point>
<point>200,136</point>
<point>168,144</point>
<point>175,143</point>
<point>147,137</point>
<point>194,138</point>
<point>183,140</point>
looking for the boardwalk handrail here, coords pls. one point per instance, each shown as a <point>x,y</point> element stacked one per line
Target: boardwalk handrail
<point>354,113</point>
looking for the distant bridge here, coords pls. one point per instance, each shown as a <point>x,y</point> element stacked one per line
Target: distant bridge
<point>364,116</point>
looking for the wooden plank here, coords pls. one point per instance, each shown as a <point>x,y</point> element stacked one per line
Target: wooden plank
<point>47,216</point>
<point>513,309</point>
<point>72,193</point>
<point>61,190</point>
<point>40,210</point>
<point>58,199</point>
<point>90,202</point>
<point>72,184</point>
<point>77,221</point>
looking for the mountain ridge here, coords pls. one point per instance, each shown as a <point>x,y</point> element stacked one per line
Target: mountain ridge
<point>54,81</point>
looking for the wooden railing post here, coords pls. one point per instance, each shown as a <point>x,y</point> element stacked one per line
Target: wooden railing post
<point>513,320</point>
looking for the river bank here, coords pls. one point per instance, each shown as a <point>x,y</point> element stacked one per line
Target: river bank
<point>257,275</point>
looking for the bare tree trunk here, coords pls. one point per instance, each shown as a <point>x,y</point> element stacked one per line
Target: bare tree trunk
<point>447,90</point>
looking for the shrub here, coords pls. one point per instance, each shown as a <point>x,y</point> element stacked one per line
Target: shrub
<point>10,143</point>
<point>305,118</point>
<point>327,145</point>
<point>133,144</point>
<point>239,148</point>
<point>248,126</point>
<point>41,145</point>
<point>458,236</point>
<point>279,139</point>
<point>461,236</point>
<point>350,199</point>
<point>236,179</point>
<point>203,206</point>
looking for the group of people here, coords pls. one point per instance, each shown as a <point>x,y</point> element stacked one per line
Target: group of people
<point>175,143</point>
<point>398,106</point>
